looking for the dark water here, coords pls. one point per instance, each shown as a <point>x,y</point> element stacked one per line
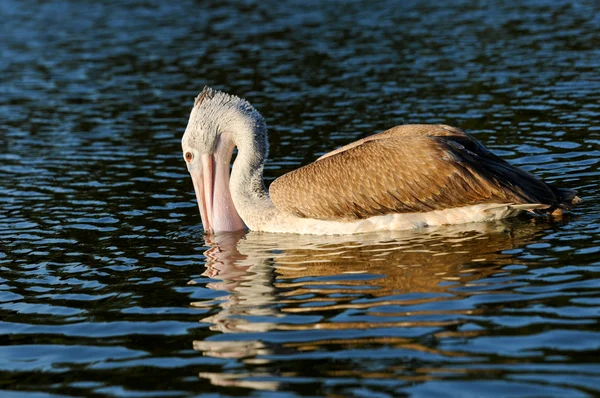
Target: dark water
<point>107,286</point>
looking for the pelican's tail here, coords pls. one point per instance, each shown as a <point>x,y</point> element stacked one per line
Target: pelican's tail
<point>567,197</point>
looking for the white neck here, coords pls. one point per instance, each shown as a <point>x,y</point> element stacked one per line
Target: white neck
<point>248,192</point>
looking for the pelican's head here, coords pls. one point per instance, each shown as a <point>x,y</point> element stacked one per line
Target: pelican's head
<point>218,123</point>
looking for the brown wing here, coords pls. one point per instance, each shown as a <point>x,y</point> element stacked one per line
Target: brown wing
<point>413,168</point>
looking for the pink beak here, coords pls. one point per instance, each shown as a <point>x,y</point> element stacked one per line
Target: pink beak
<point>211,183</point>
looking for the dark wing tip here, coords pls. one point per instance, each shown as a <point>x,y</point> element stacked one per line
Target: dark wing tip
<point>566,197</point>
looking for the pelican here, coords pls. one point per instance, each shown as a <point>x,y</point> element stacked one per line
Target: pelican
<point>406,177</point>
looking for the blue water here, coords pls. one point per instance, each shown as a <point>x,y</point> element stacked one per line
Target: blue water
<point>109,289</point>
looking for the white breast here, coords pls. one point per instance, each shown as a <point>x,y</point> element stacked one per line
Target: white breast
<point>395,222</point>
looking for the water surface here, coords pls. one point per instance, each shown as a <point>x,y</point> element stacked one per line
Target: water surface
<point>108,287</point>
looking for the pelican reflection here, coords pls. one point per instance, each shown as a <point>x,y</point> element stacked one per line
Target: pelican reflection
<point>319,288</point>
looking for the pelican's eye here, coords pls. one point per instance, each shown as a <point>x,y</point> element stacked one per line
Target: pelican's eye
<point>189,156</point>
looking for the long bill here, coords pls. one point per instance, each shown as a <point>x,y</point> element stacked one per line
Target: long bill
<point>211,184</point>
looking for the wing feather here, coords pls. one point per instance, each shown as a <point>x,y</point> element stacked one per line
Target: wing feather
<point>412,168</point>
